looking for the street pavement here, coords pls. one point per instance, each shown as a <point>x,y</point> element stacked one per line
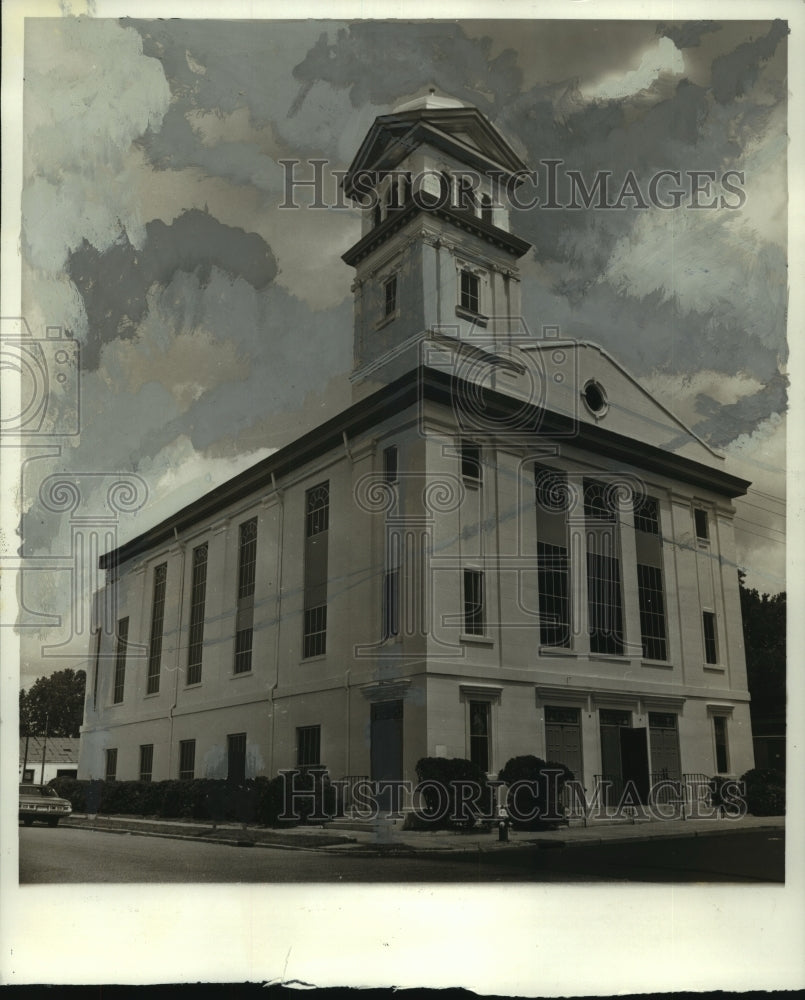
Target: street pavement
<point>85,855</point>
<point>385,835</point>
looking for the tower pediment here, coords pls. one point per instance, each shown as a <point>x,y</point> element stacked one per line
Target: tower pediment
<point>461,132</point>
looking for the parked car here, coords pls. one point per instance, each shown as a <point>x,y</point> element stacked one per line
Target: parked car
<point>42,802</point>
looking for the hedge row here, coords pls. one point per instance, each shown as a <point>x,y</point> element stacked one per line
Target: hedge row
<point>532,798</point>
<point>445,774</point>
<point>257,800</point>
<point>534,804</point>
<point>764,791</point>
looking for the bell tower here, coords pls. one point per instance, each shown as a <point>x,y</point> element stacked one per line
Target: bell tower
<point>436,255</point>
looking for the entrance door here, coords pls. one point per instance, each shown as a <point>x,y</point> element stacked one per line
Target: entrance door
<point>612,722</point>
<point>386,749</point>
<point>563,738</point>
<point>634,758</point>
<point>664,740</point>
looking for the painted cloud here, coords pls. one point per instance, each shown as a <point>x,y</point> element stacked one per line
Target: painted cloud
<point>214,325</point>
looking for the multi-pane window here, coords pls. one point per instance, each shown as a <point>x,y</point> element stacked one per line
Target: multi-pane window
<point>702,527</point>
<point>470,291</point>
<point>604,595</point>
<point>317,509</point>
<point>111,764</point>
<point>474,623</point>
<point>390,295</point>
<point>720,737</point>
<point>317,525</point>
<point>480,733</point>
<point>604,605</point>
<point>146,761</point>
<point>554,603</point>
<point>710,639</point>
<point>308,746</point>
<point>471,461</point>
<point>187,760</point>
<point>599,502</point>
<point>391,603</point>
<point>552,493</point>
<point>120,660</point>
<point>157,625</point>
<point>198,594</point>
<point>650,589</point>
<point>247,557</point>
<point>315,638</point>
<point>652,612</point>
<point>236,758</point>
<point>553,571</point>
<point>247,564</point>
<point>647,515</point>
<point>390,464</point>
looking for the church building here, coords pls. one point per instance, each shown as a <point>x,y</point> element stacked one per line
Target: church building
<point>503,546</point>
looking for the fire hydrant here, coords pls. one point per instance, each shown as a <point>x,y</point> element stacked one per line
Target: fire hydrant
<point>503,826</point>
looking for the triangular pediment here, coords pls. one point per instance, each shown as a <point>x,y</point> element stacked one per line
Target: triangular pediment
<point>581,384</point>
<point>463,132</point>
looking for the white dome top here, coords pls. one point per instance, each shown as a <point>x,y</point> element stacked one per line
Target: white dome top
<point>430,101</point>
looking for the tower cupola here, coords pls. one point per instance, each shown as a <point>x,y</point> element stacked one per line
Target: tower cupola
<point>436,252</point>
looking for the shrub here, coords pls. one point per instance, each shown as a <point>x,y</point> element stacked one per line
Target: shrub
<point>268,801</point>
<point>317,794</point>
<point>257,800</point>
<point>764,791</point>
<point>534,804</point>
<point>455,808</point>
<point>72,789</point>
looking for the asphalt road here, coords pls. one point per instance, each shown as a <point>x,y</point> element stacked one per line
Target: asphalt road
<point>64,855</point>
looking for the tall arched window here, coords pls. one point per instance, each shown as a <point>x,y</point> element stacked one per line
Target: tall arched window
<point>486,210</point>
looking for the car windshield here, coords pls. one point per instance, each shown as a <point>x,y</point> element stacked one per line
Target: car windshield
<point>38,790</point>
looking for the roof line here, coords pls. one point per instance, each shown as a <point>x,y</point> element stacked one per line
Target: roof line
<point>418,383</point>
<point>680,423</point>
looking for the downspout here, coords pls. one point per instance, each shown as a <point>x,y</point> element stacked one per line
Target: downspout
<point>347,676</point>
<point>278,605</point>
<point>178,651</point>
<point>348,671</point>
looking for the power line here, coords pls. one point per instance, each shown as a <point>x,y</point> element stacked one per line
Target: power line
<point>760,525</point>
<point>776,541</point>
<point>769,496</point>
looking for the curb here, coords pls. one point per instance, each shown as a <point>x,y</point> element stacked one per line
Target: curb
<point>203,838</point>
<point>645,839</point>
<point>373,848</point>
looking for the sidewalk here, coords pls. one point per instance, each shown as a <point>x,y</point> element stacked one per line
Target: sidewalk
<point>386,836</point>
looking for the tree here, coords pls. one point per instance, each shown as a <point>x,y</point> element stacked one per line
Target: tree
<point>764,620</point>
<point>54,704</point>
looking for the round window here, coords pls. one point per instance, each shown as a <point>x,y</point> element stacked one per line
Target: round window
<point>595,398</point>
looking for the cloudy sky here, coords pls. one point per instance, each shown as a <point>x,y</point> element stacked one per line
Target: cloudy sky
<point>214,325</point>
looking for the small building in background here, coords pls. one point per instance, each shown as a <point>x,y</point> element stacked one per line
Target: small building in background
<point>54,757</point>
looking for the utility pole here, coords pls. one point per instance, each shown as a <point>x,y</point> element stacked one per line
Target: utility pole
<point>25,758</point>
<point>44,750</point>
